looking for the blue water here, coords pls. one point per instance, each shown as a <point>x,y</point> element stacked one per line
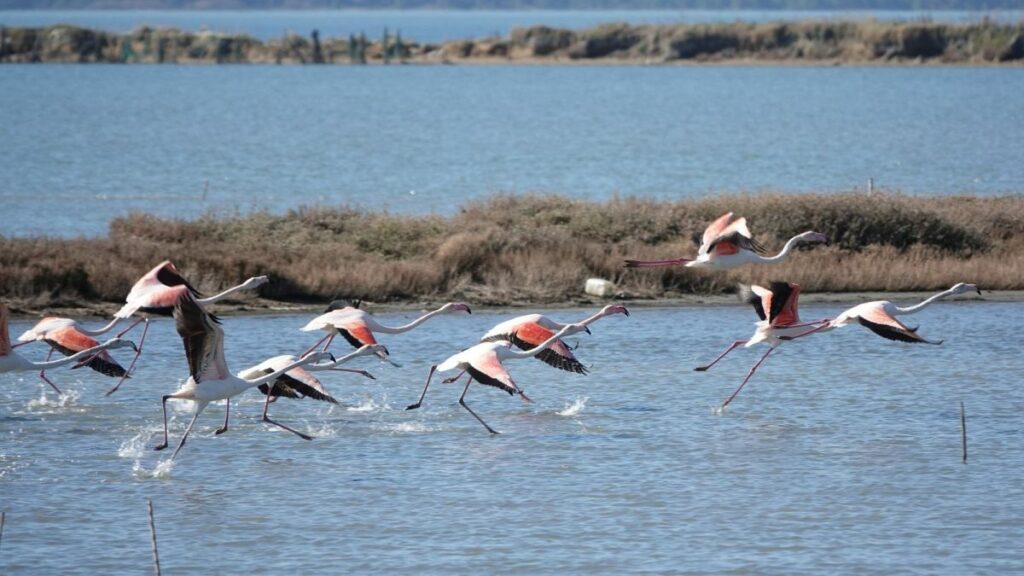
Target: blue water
<point>88,143</point>
<point>440,25</point>
<point>841,456</point>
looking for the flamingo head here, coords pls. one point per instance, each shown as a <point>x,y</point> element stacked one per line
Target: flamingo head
<point>378,349</point>
<point>115,343</point>
<point>574,329</point>
<point>614,309</point>
<point>963,288</point>
<point>255,282</point>
<point>812,236</point>
<point>456,307</point>
<point>317,357</point>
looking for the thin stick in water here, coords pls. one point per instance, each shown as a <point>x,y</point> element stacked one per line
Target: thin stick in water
<point>2,514</point>
<point>963,433</point>
<point>152,538</point>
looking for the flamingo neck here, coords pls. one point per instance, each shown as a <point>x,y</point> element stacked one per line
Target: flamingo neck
<point>222,295</point>
<point>916,307</point>
<point>782,255</point>
<point>73,358</point>
<point>600,314</point>
<point>406,327</point>
<point>102,330</point>
<point>360,352</point>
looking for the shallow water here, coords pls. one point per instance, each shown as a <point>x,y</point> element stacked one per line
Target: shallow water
<point>93,142</point>
<point>842,455</point>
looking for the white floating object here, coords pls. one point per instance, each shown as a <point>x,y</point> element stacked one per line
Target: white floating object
<point>599,287</point>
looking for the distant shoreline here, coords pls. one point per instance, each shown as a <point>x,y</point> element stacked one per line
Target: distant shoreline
<point>841,42</point>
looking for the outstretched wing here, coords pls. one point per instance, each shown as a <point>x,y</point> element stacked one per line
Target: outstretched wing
<point>69,340</point>
<point>297,383</point>
<point>487,369</point>
<point>356,332</point>
<point>783,309</point>
<point>530,335</point>
<point>714,230</point>
<point>752,295</point>
<point>202,338</point>
<point>732,243</point>
<point>882,323</point>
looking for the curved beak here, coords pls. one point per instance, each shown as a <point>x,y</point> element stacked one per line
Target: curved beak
<point>587,329</point>
<point>625,311</point>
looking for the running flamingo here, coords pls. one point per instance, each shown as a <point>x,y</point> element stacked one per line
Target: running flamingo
<point>155,293</point>
<point>357,326</point>
<point>297,382</point>
<point>529,330</point>
<point>727,244</point>
<point>484,364</point>
<point>209,379</point>
<point>10,361</point>
<point>880,317</point>
<point>64,335</point>
<point>776,306</point>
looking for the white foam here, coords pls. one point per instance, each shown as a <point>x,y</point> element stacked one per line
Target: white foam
<point>407,427</point>
<point>47,403</point>
<point>575,408</point>
<point>135,447</point>
<point>161,470</point>
<point>368,405</point>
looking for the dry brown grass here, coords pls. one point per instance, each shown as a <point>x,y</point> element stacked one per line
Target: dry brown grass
<point>539,249</point>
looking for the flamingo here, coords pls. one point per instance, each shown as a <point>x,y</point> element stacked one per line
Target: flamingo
<point>727,244</point>
<point>530,330</point>
<point>64,335</point>
<point>357,326</point>
<point>880,317</point>
<point>209,379</point>
<point>297,382</point>
<point>484,364</point>
<point>10,361</point>
<point>155,293</point>
<point>776,306</point>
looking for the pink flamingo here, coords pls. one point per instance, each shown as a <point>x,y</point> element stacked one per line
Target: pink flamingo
<point>209,379</point>
<point>484,364</point>
<point>726,244</point>
<point>64,335</point>
<point>298,382</point>
<point>357,326</point>
<point>155,293</point>
<point>10,361</point>
<point>880,317</point>
<point>776,306</point>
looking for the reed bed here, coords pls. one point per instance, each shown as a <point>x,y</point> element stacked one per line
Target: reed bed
<point>533,249</point>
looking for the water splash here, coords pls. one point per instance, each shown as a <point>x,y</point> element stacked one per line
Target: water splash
<point>406,427</point>
<point>367,405</point>
<point>135,447</point>
<point>575,408</point>
<point>48,404</point>
<point>161,470</point>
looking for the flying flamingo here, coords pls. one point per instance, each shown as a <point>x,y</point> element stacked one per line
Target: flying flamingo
<point>529,330</point>
<point>357,326</point>
<point>10,361</point>
<point>484,364</point>
<point>155,293</point>
<point>726,244</point>
<point>776,306</point>
<point>880,317</point>
<point>209,378</point>
<point>297,382</point>
<point>64,335</point>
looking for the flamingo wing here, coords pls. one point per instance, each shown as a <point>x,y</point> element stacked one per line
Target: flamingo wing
<point>356,332</point>
<point>887,326</point>
<point>530,335</point>
<point>731,243</point>
<point>782,305</point>
<point>69,340</point>
<point>5,338</point>
<point>202,338</point>
<point>714,230</point>
<point>761,298</point>
<point>487,369</point>
<point>297,383</point>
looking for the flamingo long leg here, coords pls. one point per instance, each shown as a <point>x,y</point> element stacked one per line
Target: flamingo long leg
<point>424,393</point>
<point>163,403</point>
<point>187,431</point>
<point>656,263</point>
<point>453,378</point>
<point>227,413</point>
<point>462,401</point>
<point>356,371</point>
<point>318,343</point>
<point>42,374</point>
<point>138,352</point>
<point>747,379</point>
<point>807,333</point>
<point>731,347</point>
<point>13,346</point>
<point>266,406</point>
<point>329,340</point>
<point>805,324</point>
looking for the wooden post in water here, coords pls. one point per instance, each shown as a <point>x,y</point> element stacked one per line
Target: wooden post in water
<point>152,537</point>
<point>963,433</point>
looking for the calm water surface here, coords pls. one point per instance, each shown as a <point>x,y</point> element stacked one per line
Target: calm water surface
<point>842,456</point>
<point>88,143</point>
<point>440,25</point>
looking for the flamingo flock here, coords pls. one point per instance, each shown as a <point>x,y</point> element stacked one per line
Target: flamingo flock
<point>163,291</point>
